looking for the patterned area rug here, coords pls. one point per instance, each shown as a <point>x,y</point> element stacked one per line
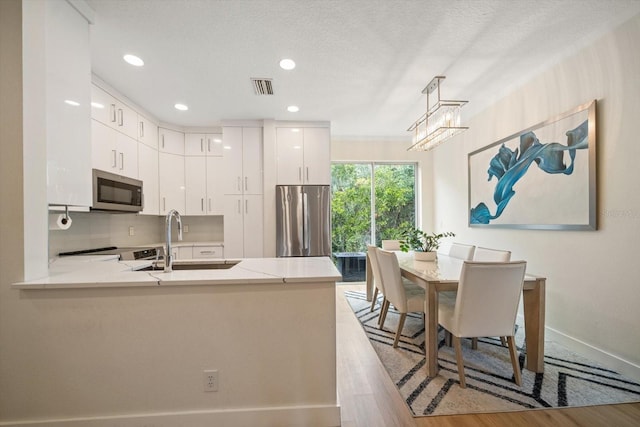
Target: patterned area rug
<point>568,380</point>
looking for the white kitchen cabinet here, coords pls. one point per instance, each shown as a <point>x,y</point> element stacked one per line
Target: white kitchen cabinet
<point>113,151</point>
<point>63,66</point>
<point>242,160</point>
<point>210,251</point>
<point>112,112</point>
<point>196,185</point>
<point>200,144</point>
<point>303,156</point>
<point>215,192</point>
<point>243,226</point>
<point>147,132</point>
<point>148,174</point>
<point>185,252</point>
<point>171,182</point>
<point>171,141</point>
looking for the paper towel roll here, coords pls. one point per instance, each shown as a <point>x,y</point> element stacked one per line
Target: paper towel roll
<point>59,222</point>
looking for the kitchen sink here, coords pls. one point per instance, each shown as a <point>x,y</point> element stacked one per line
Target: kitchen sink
<point>191,266</point>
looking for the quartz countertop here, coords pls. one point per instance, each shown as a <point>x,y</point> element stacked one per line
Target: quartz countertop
<point>105,271</point>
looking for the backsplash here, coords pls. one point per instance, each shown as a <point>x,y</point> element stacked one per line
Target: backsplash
<point>100,229</point>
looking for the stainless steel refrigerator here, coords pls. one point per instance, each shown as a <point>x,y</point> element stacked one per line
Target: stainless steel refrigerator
<point>303,220</point>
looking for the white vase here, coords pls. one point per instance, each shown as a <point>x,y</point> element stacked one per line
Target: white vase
<point>424,256</point>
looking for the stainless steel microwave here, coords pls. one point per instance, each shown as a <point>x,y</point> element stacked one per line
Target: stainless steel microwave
<point>113,192</point>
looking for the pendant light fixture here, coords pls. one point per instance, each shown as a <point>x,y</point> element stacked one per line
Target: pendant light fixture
<point>439,123</point>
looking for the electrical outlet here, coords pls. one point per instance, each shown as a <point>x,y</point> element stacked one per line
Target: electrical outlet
<point>186,228</point>
<point>210,380</point>
<point>132,231</point>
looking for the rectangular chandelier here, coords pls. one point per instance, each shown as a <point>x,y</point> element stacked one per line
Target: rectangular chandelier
<point>439,123</point>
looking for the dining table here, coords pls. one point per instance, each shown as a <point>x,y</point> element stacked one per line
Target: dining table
<point>443,275</point>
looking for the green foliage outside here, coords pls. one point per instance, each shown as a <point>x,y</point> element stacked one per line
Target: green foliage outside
<point>351,204</point>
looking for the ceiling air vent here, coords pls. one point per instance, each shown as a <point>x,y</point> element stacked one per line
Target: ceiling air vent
<point>262,86</point>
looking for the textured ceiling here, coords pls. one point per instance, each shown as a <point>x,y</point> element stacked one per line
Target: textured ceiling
<point>361,64</point>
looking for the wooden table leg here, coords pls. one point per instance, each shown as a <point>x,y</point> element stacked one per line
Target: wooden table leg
<point>369,278</point>
<point>431,329</point>
<point>534,313</point>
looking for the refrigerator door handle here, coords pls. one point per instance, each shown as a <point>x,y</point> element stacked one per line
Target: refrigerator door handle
<point>305,231</point>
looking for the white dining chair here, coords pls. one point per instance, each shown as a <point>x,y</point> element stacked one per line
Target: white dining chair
<point>391,245</point>
<point>461,251</point>
<point>486,305</point>
<point>377,281</point>
<point>405,300</point>
<point>490,255</point>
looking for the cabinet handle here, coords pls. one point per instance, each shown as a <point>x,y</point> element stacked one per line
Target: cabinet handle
<point>141,129</point>
<point>121,161</point>
<point>164,203</point>
<point>209,145</point>
<point>115,159</point>
<point>206,252</point>
<point>246,206</point>
<point>113,112</point>
<point>202,145</point>
<point>239,211</point>
<point>202,204</point>
<point>246,187</point>
<point>307,173</point>
<point>300,173</point>
<point>162,140</point>
<point>120,117</point>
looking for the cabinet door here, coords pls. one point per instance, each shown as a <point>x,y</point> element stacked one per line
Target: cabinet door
<point>171,182</point>
<point>253,226</point>
<point>171,141</point>
<point>104,154</point>
<point>127,156</point>
<point>232,160</point>
<point>147,132</point>
<point>289,156</point>
<point>148,173</point>
<point>195,144</point>
<point>195,170</point>
<point>317,156</point>
<point>215,191</point>
<point>185,252</point>
<point>103,106</point>
<point>214,144</point>
<point>126,120</point>
<point>252,160</point>
<point>233,231</point>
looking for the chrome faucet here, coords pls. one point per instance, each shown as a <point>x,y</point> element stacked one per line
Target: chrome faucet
<point>168,257</point>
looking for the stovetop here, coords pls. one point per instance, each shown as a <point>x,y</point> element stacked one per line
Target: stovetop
<point>124,253</point>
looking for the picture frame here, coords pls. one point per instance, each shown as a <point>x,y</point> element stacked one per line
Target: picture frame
<point>543,177</point>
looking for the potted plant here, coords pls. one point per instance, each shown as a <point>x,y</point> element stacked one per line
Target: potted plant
<point>423,244</point>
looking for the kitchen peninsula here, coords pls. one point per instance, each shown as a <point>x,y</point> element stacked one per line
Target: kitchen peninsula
<point>266,325</point>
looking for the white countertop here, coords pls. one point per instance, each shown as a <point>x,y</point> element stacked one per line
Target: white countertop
<point>105,271</point>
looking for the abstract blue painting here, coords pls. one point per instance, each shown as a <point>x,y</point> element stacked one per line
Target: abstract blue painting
<point>542,177</point>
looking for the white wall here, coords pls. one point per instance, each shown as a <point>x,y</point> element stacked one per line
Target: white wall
<point>593,289</point>
<point>593,281</point>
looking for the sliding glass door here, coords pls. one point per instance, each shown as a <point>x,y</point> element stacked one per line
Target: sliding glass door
<point>371,202</point>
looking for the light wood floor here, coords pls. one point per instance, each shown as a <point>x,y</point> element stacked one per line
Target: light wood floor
<point>368,397</point>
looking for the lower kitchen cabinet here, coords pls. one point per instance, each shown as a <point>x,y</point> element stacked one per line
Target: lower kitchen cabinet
<point>243,226</point>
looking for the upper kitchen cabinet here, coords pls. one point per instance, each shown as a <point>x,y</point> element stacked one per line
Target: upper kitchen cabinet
<point>110,111</point>
<point>147,132</point>
<point>113,151</point>
<point>56,44</point>
<point>303,155</point>
<point>171,141</point>
<point>242,160</point>
<point>201,144</point>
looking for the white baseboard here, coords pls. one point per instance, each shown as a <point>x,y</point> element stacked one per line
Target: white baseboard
<point>608,360</point>
<point>303,416</point>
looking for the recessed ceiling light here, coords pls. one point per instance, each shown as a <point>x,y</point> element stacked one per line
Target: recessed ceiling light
<point>133,60</point>
<point>287,64</point>
<point>293,108</point>
<point>181,107</point>
<point>70,102</point>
